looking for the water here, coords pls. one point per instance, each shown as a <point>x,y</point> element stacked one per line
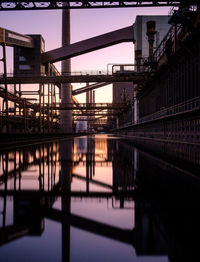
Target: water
<point>96,198</point>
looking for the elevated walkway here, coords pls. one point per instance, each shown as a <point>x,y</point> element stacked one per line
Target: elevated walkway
<point>74,78</point>
<point>45,5</point>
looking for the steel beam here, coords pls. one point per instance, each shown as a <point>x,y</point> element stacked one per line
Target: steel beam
<point>95,43</point>
<point>95,114</point>
<point>88,88</point>
<point>135,77</point>
<point>44,5</point>
<point>90,106</point>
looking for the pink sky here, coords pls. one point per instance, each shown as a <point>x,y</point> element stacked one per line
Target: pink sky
<point>84,24</point>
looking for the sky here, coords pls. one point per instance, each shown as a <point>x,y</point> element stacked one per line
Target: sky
<point>85,23</point>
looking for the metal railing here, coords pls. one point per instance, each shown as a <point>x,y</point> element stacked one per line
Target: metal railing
<point>73,73</point>
<point>183,107</point>
<point>187,106</point>
<point>126,69</point>
<point>89,105</point>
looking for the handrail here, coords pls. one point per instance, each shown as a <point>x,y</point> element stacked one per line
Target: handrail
<point>187,106</point>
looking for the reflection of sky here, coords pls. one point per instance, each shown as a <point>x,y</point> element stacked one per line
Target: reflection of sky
<point>46,247</point>
<point>84,24</point>
<point>90,247</point>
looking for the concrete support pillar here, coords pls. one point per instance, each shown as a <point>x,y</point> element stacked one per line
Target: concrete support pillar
<point>66,91</point>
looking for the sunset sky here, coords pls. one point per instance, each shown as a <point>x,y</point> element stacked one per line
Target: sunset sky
<point>84,24</point>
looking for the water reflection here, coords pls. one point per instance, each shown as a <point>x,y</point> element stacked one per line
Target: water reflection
<point>95,198</point>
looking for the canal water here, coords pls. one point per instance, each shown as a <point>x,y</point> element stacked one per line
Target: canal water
<point>96,198</point>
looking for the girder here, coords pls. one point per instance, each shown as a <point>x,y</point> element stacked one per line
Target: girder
<point>89,106</point>
<point>88,88</point>
<point>44,5</point>
<point>85,46</point>
<point>28,79</point>
<point>106,114</point>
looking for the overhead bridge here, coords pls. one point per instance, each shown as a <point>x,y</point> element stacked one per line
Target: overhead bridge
<point>89,106</point>
<point>95,43</point>
<point>49,5</point>
<point>76,78</point>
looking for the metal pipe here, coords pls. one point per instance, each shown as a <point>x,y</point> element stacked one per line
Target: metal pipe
<point>151,31</point>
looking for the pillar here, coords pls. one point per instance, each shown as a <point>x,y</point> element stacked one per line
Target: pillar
<point>87,102</point>
<point>66,91</point>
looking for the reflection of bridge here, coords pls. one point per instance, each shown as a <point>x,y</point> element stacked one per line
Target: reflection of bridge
<point>35,212</point>
<point>98,228</point>
<point>29,218</point>
<point>157,229</point>
<point>93,181</point>
<point>32,222</point>
<point>45,160</point>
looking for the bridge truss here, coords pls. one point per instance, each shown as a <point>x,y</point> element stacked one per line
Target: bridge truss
<point>43,5</point>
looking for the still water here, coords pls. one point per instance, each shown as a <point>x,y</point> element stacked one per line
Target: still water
<point>96,198</point>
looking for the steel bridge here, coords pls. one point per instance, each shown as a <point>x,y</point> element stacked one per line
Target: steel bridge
<point>48,5</point>
<point>74,78</point>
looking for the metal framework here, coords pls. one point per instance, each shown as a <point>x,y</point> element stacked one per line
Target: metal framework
<point>74,78</point>
<point>89,88</point>
<point>122,35</point>
<point>43,5</point>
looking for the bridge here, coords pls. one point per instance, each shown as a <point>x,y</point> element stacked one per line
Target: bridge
<point>46,5</point>
<point>77,77</point>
